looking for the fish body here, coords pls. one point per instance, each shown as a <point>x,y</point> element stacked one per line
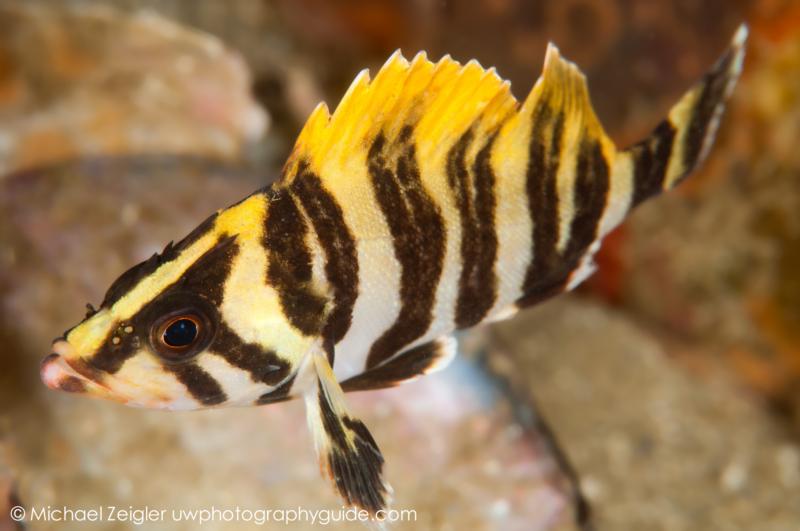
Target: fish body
<point>430,201</point>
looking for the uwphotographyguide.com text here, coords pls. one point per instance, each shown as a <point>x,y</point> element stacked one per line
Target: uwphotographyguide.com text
<point>256,516</point>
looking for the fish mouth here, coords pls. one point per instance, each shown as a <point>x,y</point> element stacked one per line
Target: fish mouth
<point>63,372</point>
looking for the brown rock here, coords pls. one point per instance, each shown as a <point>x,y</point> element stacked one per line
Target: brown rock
<point>656,448</point>
<point>96,82</point>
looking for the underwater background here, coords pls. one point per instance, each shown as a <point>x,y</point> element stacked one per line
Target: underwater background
<point>671,378</point>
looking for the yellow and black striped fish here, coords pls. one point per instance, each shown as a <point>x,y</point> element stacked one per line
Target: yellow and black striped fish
<point>429,202</point>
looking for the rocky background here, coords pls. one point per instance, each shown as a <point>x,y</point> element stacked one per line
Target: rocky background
<point>671,378</point>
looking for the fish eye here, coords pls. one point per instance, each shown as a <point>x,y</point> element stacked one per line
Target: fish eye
<point>181,334</point>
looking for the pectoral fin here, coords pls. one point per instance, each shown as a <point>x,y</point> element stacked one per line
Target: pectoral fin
<point>347,453</point>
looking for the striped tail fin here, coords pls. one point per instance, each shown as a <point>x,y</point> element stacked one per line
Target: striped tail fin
<point>682,140</point>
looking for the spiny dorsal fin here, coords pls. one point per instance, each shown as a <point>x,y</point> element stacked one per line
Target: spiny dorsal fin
<point>348,454</point>
<point>440,99</point>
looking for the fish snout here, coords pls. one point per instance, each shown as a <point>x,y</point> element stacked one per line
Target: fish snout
<point>56,373</point>
<point>63,370</point>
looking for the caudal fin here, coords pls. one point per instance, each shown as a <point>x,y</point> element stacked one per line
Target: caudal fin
<point>682,140</point>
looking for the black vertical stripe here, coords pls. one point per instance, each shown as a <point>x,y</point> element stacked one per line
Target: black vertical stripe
<point>650,160</point>
<point>418,235</point>
<point>208,274</point>
<point>711,96</point>
<point>477,289</point>
<point>339,246</point>
<point>590,196</point>
<point>543,162</point>
<point>203,388</point>
<point>483,280</point>
<point>289,264</point>
<point>207,278</point>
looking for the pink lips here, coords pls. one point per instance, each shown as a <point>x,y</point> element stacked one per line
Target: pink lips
<point>63,371</point>
<point>56,373</point>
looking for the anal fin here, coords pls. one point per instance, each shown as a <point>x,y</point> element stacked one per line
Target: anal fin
<point>347,452</point>
<point>405,366</point>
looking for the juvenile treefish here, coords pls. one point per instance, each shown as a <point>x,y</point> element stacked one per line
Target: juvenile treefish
<point>429,202</point>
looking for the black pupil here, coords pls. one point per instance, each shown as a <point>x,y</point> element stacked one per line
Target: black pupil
<point>181,333</point>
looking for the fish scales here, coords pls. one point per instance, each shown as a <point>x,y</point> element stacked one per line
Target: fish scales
<point>430,201</point>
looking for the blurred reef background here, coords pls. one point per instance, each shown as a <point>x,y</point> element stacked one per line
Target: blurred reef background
<point>672,378</point>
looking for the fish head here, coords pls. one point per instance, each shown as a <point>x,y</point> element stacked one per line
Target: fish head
<point>195,326</point>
